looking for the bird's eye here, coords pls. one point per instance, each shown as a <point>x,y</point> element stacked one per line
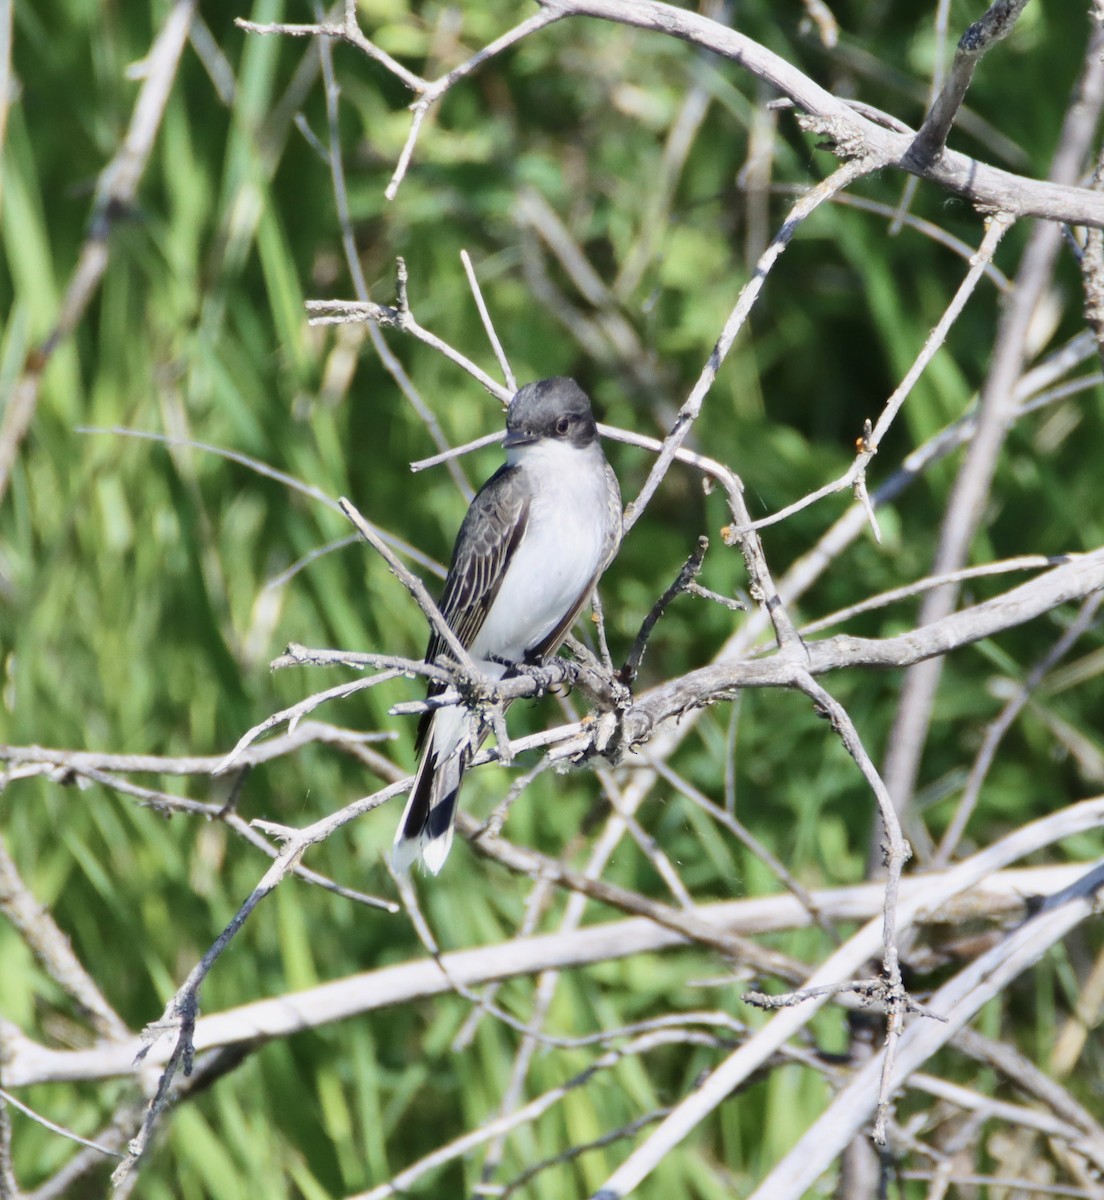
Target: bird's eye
<point>563,425</point>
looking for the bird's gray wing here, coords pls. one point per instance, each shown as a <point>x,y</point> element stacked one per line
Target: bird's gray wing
<point>491,532</point>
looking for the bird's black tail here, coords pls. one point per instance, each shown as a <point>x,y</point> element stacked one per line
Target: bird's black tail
<point>425,830</point>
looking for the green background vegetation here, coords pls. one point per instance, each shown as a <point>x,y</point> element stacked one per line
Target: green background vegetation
<point>135,614</point>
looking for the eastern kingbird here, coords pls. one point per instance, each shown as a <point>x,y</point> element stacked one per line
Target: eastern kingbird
<point>536,538</point>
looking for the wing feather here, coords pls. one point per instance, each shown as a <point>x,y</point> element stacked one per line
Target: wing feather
<point>491,532</point>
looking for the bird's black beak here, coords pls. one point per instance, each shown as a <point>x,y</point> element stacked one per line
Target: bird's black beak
<point>518,437</point>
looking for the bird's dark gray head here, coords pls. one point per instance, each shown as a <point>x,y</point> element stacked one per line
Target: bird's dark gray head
<point>558,409</point>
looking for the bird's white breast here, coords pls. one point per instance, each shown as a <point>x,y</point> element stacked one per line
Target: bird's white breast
<point>561,550</point>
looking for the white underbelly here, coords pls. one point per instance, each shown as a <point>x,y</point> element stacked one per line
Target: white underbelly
<point>559,555</point>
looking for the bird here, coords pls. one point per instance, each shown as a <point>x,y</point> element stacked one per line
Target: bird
<point>534,542</point>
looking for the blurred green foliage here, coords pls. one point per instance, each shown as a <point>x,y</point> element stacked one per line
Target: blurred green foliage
<point>137,614</point>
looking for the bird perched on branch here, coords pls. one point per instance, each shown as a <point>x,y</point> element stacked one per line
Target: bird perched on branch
<point>531,548</point>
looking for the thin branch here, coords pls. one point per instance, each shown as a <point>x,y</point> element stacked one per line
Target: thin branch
<point>115,192</point>
<point>339,312</point>
<point>9,1185</point>
<point>497,817</point>
<point>433,92</point>
<point>869,992</point>
<point>1002,1183</point>
<point>861,1092</point>
<point>681,583</point>
<point>181,1013</point>
<point>690,925</point>
<point>652,851</point>
<point>168,804</point>
<point>628,800</point>
<point>267,472</point>
<point>38,760</point>
<point>958,1000</point>
<point>995,229</point>
<point>6,7</point>
<point>1023,562</point>
<point>290,716</point>
<point>334,160</point>
<point>1001,1110</point>
<point>972,487</point>
<point>748,840</point>
<point>536,1108</point>
<point>414,586</point>
<point>841,178</point>
<point>896,853</point>
<point>995,25</point>
<point>7,1098</point>
<point>852,133</point>
<point>1003,722</point>
<point>708,466</point>
<point>488,324</point>
<point>1031,1081</point>
<point>53,950</point>
<point>1000,895</point>
<point>347,31</point>
<point>488,439</point>
<point>910,221</point>
<point>1092,258</point>
<point>571,1153</point>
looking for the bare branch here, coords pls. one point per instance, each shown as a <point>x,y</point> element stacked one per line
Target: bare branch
<point>681,583</point>
<point>852,133</point>
<point>331,312</point>
<point>413,585</point>
<point>40,760</point>
<point>7,1098</point>
<point>1092,261</point>
<point>431,93</point>
<point>1000,894</point>
<point>53,950</point>
<point>1023,562</point>
<point>488,324</point>
<point>289,716</point>
<point>971,490</point>
<point>1071,581</point>
<point>116,189</point>
<point>268,472</point>
<point>1000,726</point>
<point>182,1011</point>
<point>995,25</point>
<point>996,227</point>
<point>748,839</point>
<point>9,1185</point>
<point>958,1000</point>
<point>488,439</point>
<point>688,413</point>
<point>1031,1081</point>
<point>6,14</point>
<point>332,156</point>
<point>530,1112</point>
<point>347,31</point>
<point>861,1093</point>
<point>896,853</point>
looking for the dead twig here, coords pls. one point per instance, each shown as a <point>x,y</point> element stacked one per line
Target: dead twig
<point>681,583</point>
